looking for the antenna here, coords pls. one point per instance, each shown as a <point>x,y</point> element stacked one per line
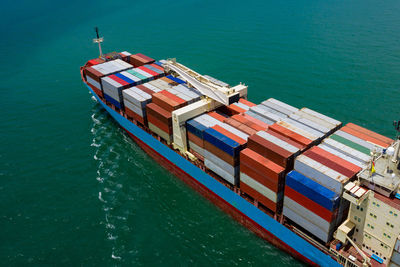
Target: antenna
<point>98,40</point>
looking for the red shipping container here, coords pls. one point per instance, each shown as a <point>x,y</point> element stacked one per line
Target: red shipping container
<point>94,74</point>
<point>138,61</point>
<point>221,154</point>
<point>246,129</point>
<point>159,124</point>
<point>375,135</point>
<point>149,71</point>
<point>271,151</point>
<point>364,136</point>
<point>262,165</point>
<point>135,116</point>
<point>275,186</point>
<point>227,133</point>
<point>246,102</point>
<point>164,102</point>
<point>177,99</point>
<point>338,164</point>
<point>217,116</point>
<point>235,109</point>
<point>310,205</point>
<point>145,89</point>
<point>92,62</point>
<point>240,118</point>
<point>256,121</point>
<point>159,113</point>
<point>157,67</point>
<point>260,198</point>
<point>286,139</point>
<point>290,134</point>
<point>145,58</point>
<point>119,80</point>
<point>195,139</point>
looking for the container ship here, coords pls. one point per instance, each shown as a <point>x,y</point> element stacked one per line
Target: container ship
<point>324,192</point>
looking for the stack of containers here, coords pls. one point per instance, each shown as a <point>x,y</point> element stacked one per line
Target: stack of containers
<point>271,111</point>
<point>274,151</point>
<point>95,73</point>
<point>360,133</point>
<point>316,120</point>
<point>164,102</point>
<point>155,74</point>
<point>135,101</point>
<point>261,179</point>
<point>184,92</point>
<point>146,76</point>
<point>239,107</point>
<point>113,86</point>
<point>310,205</point>
<point>94,61</point>
<point>125,56</point>
<point>327,174</point>
<point>159,121</point>
<point>161,84</point>
<point>138,60</point>
<point>174,79</point>
<point>222,145</point>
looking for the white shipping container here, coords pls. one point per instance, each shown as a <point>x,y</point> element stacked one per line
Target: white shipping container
<point>161,133</point>
<point>277,107</point>
<point>226,176</point>
<point>134,98</point>
<point>304,127</point>
<point>297,130</point>
<point>395,257</point>
<point>241,105</point>
<point>268,115</point>
<point>316,119</point>
<point>311,216</point>
<point>271,110</point>
<point>93,82</point>
<point>397,245</point>
<point>258,117</point>
<point>321,174</point>
<point>125,65</point>
<point>343,156</point>
<point>152,87</point>
<point>275,140</point>
<point>130,76</point>
<point>359,156</point>
<point>147,97</point>
<point>321,116</point>
<point>232,170</point>
<point>263,190</point>
<point>196,148</point>
<point>284,105</point>
<point>126,53</point>
<point>311,124</point>
<point>134,108</point>
<point>306,224</point>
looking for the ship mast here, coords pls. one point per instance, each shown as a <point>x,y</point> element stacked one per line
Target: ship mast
<point>98,40</point>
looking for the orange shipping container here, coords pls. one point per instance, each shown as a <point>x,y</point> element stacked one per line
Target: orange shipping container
<point>380,137</point>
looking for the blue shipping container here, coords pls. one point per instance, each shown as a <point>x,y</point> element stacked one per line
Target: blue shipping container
<point>196,128</point>
<point>126,79</point>
<point>222,142</point>
<point>312,190</point>
<point>113,101</point>
<point>177,80</point>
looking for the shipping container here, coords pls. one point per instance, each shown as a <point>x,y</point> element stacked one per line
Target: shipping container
<point>297,130</point>
<point>298,138</point>
<point>342,155</point>
<point>234,161</point>
<point>306,224</point>
<point>313,190</point>
<point>263,190</point>
<point>273,206</point>
<point>284,105</point>
<point>306,213</point>
<point>286,139</point>
<point>255,120</point>
<point>334,162</point>
<point>167,137</point>
<point>196,148</point>
<point>246,102</point>
<point>357,140</point>
<point>320,121</point>
<point>232,170</point>
<point>304,127</point>
<point>277,107</point>
<point>316,126</point>
<point>263,113</point>
<point>364,136</point>
<point>355,154</point>
<point>349,143</point>
<point>222,142</point>
<point>273,111</point>
<point>321,116</point>
<point>258,117</point>
<point>310,204</point>
<point>375,135</point>
<point>222,173</point>
<point>320,173</point>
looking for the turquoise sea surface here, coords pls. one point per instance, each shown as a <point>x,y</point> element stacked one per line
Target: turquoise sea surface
<point>76,190</point>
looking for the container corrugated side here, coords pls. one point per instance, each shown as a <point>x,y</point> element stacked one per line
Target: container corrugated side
<point>311,124</point>
<point>265,191</point>
<point>277,107</point>
<point>347,150</point>
<point>342,155</point>
<point>284,105</point>
<point>320,173</point>
<point>226,176</point>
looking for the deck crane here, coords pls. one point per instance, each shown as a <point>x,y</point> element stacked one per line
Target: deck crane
<point>215,96</point>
